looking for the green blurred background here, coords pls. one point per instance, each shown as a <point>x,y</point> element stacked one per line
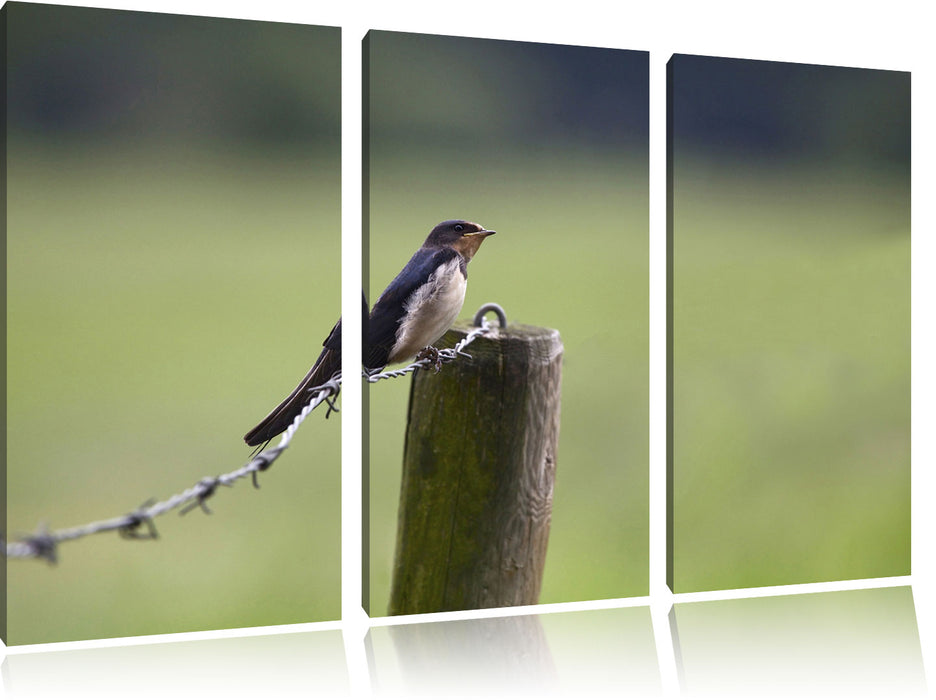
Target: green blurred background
<point>173,250</point>
<point>791,323</point>
<point>548,145</point>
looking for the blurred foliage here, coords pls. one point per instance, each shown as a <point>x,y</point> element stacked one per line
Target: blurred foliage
<point>791,308</point>
<point>484,95</point>
<point>548,146</point>
<point>160,263</point>
<point>783,112</point>
<point>78,76</point>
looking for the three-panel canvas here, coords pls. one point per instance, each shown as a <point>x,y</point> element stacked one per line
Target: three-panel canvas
<point>173,246</point>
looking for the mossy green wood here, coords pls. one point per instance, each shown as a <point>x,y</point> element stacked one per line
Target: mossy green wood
<point>478,471</point>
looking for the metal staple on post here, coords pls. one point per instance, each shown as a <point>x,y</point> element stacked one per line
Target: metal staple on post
<point>491,306</point>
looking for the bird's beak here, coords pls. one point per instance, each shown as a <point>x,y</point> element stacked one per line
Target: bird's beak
<point>469,243</point>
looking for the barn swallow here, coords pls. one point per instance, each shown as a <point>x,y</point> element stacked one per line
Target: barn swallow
<point>423,301</point>
<point>412,313</point>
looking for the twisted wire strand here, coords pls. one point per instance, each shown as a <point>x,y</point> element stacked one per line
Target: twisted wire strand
<point>138,524</point>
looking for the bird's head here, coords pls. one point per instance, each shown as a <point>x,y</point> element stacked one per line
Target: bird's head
<point>463,236</point>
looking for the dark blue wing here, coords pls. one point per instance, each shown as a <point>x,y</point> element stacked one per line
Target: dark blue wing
<point>380,334</point>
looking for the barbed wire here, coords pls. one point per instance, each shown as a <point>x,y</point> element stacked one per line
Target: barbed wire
<point>138,524</point>
<point>44,544</point>
<point>435,358</point>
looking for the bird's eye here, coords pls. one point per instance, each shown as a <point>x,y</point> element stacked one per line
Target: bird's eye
<point>459,227</point>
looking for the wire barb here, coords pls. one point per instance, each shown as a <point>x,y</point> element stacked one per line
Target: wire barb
<point>44,544</point>
<point>137,518</point>
<point>204,490</point>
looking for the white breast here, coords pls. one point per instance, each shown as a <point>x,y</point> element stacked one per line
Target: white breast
<point>430,311</point>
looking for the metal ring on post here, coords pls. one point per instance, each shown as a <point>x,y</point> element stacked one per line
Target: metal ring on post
<point>496,308</point>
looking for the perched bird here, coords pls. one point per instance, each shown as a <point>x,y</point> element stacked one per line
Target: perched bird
<point>423,301</point>
<point>413,312</point>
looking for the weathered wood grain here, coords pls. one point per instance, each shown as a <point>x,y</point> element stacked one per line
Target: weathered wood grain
<point>478,474</point>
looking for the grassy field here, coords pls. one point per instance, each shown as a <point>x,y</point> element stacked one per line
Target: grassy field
<point>159,304</point>
<point>792,375</point>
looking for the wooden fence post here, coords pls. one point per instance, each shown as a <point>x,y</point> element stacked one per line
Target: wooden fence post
<point>478,472</point>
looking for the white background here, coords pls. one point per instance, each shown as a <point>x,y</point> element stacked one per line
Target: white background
<point>894,35</point>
